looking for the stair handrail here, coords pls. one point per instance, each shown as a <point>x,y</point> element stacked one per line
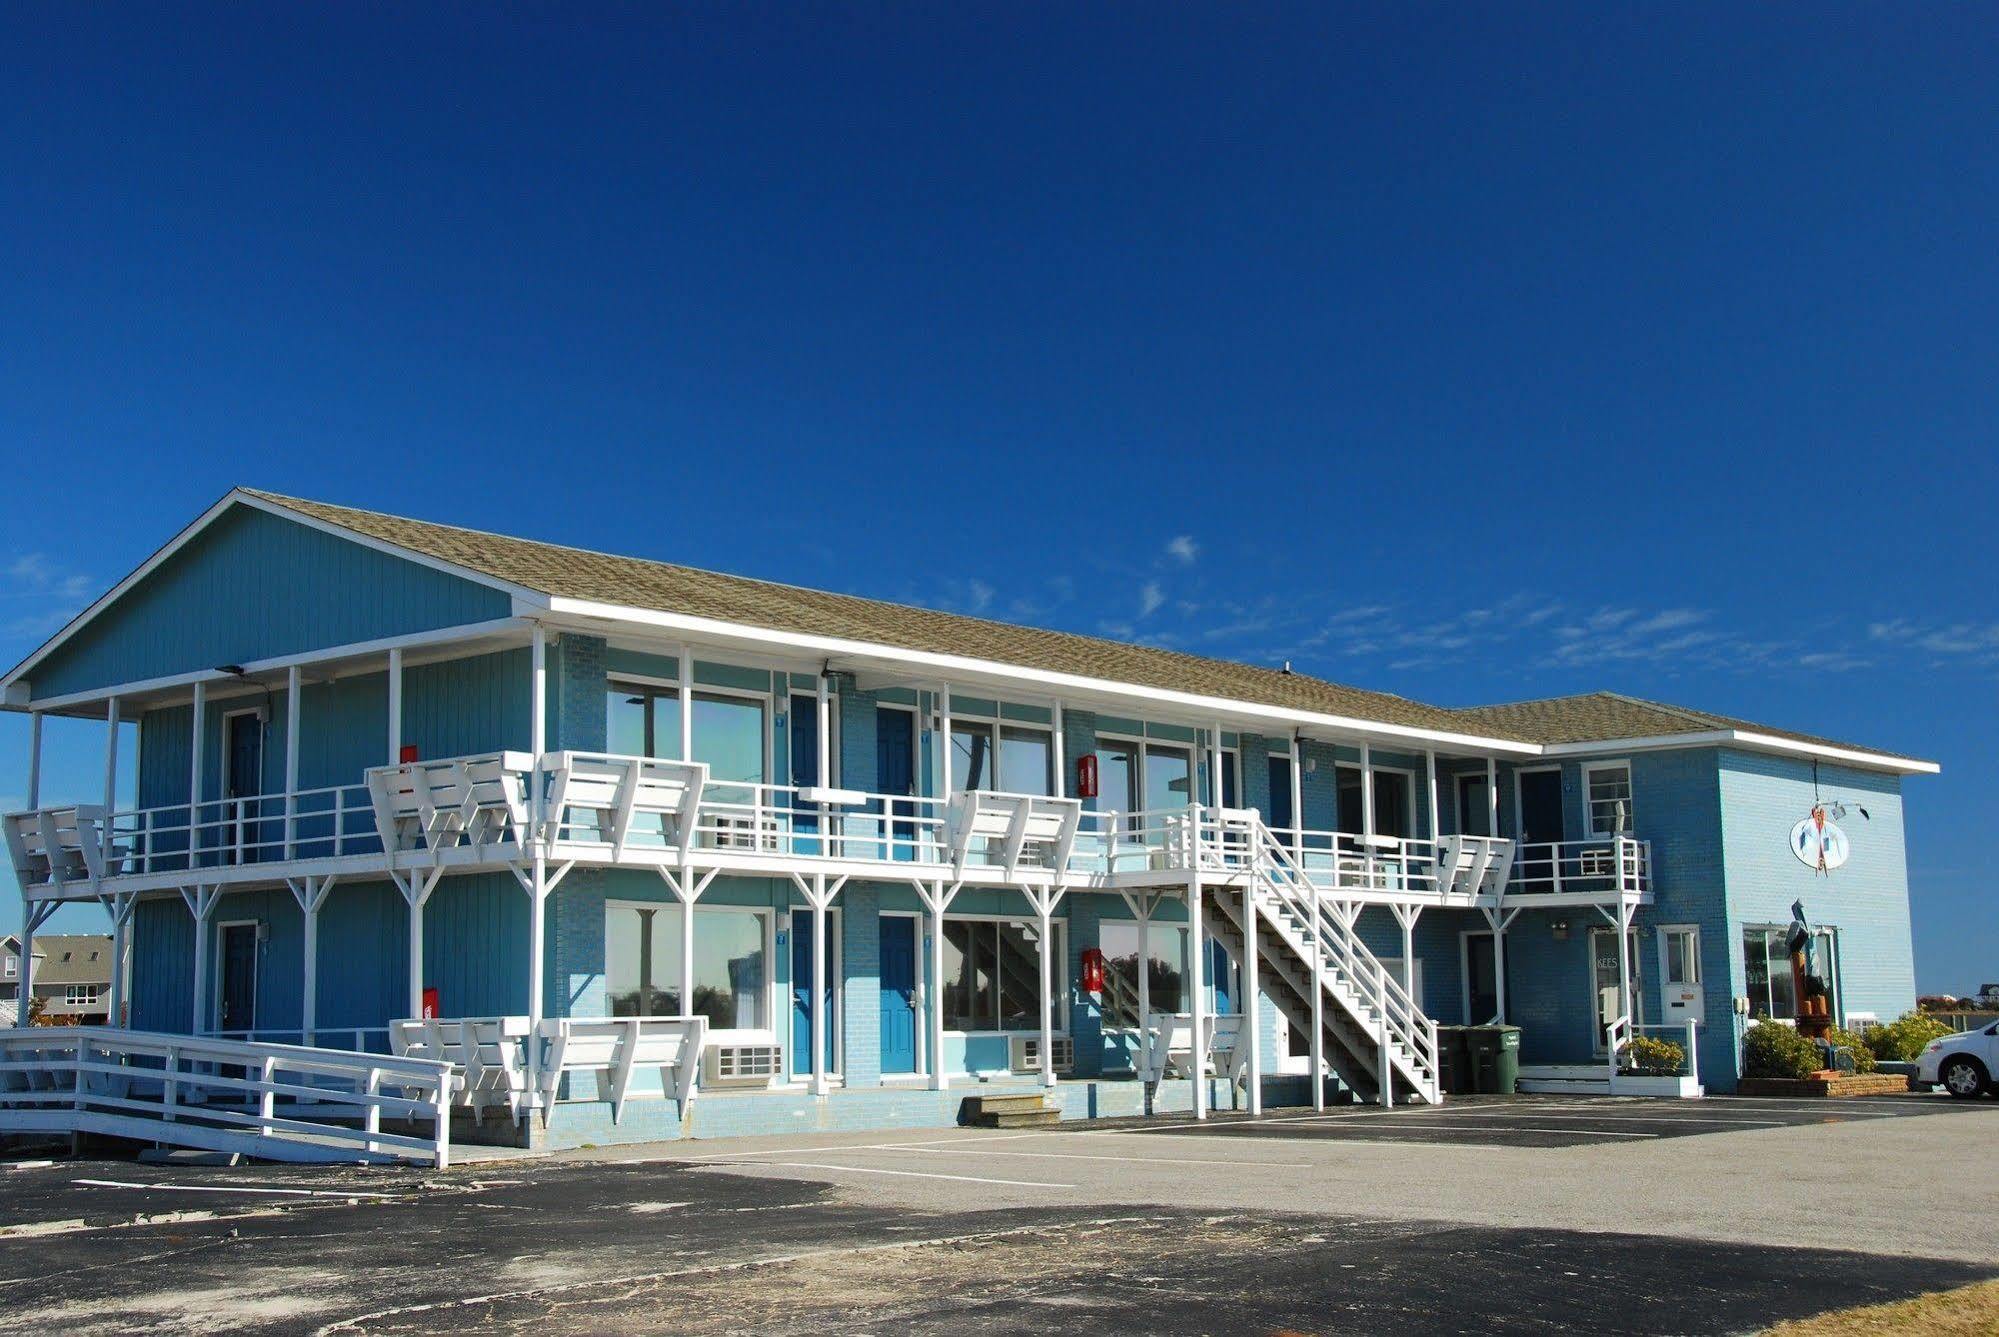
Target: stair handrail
<point>1341,947</point>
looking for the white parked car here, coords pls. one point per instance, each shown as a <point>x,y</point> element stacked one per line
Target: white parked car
<point>1964,1064</point>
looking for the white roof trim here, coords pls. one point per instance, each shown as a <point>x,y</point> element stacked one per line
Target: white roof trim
<point>238,497</point>
<point>1043,680</point>
<point>1751,740</point>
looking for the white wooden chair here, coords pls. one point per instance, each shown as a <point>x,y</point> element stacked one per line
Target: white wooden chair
<point>435,805</point>
<point>617,791</point>
<point>487,1054</point>
<point>1014,821</point>
<point>56,845</point>
<point>1169,1046</point>
<point>617,1047</point>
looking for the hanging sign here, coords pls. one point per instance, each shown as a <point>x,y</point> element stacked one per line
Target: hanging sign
<point>1819,844</point>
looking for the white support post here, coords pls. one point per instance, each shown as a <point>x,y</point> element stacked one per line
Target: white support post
<point>1215,766</point>
<point>1627,1005</point>
<point>1298,800</point>
<point>1196,1030</point>
<point>1058,753</point>
<point>111,723</point>
<point>194,768</point>
<point>292,685</point>
<point>396,706</point>
<point>1145,903</point>
<point>34,914</point>
<point>823,725</point>
<point>1430,774</point>
<point>936,900</point>
<point>1492,798</point>
<point>1318,929</point>
<point>821,1079</point>
<point>686,661</point>
<point>1407,915</point>
<point>1044,914</point>
<point>120,907</point>
<point>537,882</point>
<point>1251,1029</point>
<point>1367,811</point>
<point>35,763</point>
<point>944,781</point>
<point>201,904</point>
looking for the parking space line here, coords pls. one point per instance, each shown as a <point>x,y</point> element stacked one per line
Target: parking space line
<point>240,1188</point>
<point>906,1174</point>
<point>1138,1160</point>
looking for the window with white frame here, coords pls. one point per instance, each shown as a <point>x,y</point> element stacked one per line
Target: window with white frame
<point>1766,969</point>
<point>80,995</point>
<point>731,963</point>
<point>13,966</point>
<point>1609,799</point>
<point>992,974</point>
<point>1166,982</point>
<point>1012,758</point>
<point>731,730</point>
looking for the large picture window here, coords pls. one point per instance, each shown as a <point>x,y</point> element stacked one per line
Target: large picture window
<point>1391,802</point>
<point>731,964</point>
<point>1011,758</point>
<point>731,733</point>
<point>992,975</point>
<point>1766,970</point>
<point>1166,984</point>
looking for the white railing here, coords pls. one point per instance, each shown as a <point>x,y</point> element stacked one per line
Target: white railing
<point>777,819</point>
<point>1361,983</point>
<point>275,1102</point>
<point>351,1039</point>
<point>1607,866</point>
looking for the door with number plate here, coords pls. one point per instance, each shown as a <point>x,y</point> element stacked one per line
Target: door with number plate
<point>1681,997</point>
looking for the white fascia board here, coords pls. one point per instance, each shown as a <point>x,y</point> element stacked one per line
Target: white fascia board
<point>440,638</point>
<point>1755,742</point>
<point>1044,681</point>
<point>238,497</point>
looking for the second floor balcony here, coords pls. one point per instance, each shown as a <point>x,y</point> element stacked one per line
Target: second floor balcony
<point>503,808</point>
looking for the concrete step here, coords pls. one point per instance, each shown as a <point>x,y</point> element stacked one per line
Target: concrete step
<point>1026,1119</point>
<point>1027,1109</point>
<point>1009,1104</point>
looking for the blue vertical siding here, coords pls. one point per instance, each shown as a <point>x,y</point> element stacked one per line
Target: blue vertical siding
<point>255,586</point>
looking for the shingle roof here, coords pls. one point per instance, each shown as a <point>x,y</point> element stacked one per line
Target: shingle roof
<point>1594,717</point>
<point>664,587</point>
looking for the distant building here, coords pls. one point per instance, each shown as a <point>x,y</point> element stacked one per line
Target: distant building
<point>72,975</point>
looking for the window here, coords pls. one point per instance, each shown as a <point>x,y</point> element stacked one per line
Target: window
<point>731,964</point>
<point>80,995</point>
<point>1474,810</point>
<point>1609,799</point>
<point>729,731</point>
<point>992,975</point>
<point>13,964</point>
<point>1280,793</point>
<point>1683,958</point>
<point>1766,970</point>
<point>1166,985</point>
<point>1391,802</point>
<point>1025,758</point>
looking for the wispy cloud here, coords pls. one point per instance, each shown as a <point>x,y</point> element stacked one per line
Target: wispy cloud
<point>1975,642</point>
<point>1150,598</point>
<point>40,595</point>
<point>1182,549</point>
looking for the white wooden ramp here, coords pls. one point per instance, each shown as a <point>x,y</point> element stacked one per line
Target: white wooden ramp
<point>274,1102</point>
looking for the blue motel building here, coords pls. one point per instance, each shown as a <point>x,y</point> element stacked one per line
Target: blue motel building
<point>863,863</point>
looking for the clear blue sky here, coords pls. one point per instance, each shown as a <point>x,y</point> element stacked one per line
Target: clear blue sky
<point>1466,354</point>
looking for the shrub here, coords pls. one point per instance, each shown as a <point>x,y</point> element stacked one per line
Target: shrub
<point>1863,1057</point>
<point>1771,1050</point>
<point>1648,1056</point>
<point>1901,1040</point>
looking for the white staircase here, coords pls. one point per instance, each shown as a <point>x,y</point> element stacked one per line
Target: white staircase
<point>1370,1023</point>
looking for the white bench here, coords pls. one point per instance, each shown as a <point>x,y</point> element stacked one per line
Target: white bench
<point>56,845</point>
<point>1014,821</point>
<point>1473,865</point>
<point>620,1046</point>
<point>1169,1046</point>
<point>488,1058</point>
<point>617,790</point>
<point>435,805</point>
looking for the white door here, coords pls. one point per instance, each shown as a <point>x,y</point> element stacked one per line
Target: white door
<point>1680,994</point>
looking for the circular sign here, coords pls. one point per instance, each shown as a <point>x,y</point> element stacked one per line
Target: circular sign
<point>1819,844</point>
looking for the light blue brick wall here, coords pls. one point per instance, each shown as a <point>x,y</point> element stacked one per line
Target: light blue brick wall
<point>860,953</point>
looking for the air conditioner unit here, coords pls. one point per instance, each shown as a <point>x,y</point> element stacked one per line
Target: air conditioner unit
<point>1024,1053</point>
<point>740,1065</point>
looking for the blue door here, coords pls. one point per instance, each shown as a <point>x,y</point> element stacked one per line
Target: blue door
<point>801,995</point>
<point>1221,977</point>
<point>895,773</point>
<point>804,726</point>
<point>898,988</point>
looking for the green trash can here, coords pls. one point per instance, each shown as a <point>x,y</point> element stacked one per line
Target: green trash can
<point>1454,1070</point>
<point>1495,1059</point>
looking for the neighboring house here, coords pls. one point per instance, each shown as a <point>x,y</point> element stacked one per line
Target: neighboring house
<point>72,974</point>
<point>956,823</point>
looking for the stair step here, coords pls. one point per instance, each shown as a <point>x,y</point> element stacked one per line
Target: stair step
<point>1009,1104</point>
<point>1024,1119</point>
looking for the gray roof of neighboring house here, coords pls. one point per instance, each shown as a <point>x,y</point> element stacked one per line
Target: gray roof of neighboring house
<point>72,958</point>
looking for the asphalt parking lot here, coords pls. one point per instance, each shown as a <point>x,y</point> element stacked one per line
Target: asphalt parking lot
<point>1738,1214</point>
